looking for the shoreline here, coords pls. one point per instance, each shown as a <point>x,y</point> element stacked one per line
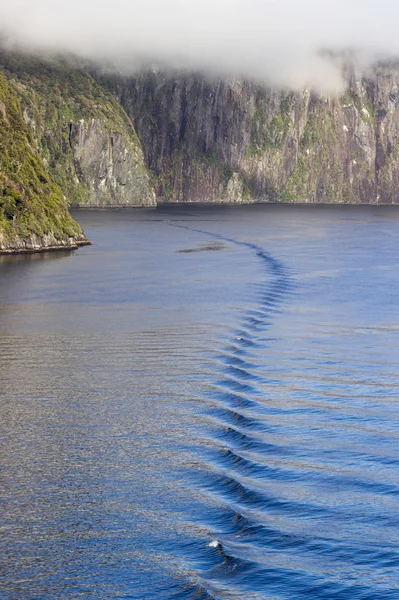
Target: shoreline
<point>229,205</point>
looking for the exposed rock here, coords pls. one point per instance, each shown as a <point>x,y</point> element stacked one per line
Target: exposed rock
<point>111,166</point>
<point>34,243</point>
<point>201,138</point>
<point>235,189</point>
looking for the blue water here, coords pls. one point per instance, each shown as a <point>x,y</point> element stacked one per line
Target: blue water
<point>203,404</point>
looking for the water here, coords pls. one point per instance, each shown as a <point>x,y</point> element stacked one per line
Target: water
<point>203,404</point>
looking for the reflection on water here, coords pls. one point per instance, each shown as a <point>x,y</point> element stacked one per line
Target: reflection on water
<point>24,259</point>
<point>178,423</point>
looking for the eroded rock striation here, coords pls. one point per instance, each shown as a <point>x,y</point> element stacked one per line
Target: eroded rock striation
<point>234,141</point>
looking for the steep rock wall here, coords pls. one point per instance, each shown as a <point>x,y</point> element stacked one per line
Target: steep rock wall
<point>109,165</point>
<point>235,141</point>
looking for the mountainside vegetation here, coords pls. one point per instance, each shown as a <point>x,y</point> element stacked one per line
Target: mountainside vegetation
<point>33,210</point>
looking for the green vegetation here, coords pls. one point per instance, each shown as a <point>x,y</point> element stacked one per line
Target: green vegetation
<point>288,197</point>
<point>365,110</point>
<point>318,173</point>
<point>30,200</point>
<point>269,128</point>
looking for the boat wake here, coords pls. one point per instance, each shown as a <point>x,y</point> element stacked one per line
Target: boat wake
<point>288,516</point>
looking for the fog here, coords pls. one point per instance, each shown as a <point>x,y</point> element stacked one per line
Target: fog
<point>280,42</point>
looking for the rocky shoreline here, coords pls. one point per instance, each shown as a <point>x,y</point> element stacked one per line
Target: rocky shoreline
<point>48,243</point>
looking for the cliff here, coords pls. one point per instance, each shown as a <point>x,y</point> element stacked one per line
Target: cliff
<point>84,137</point>
<point>207,141</point>
<point>33,211</point>
<point>235,141</point>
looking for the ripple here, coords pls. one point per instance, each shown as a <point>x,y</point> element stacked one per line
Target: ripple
<point>258,465</point>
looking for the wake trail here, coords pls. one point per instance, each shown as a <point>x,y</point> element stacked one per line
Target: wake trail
<point>237,430</point>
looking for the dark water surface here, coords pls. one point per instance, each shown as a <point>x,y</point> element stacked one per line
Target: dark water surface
<point>203,404</point>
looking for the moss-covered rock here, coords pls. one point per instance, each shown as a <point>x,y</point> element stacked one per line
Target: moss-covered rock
<point>33,210</point>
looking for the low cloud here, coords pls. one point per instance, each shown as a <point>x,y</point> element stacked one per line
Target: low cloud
<point>280,42</point>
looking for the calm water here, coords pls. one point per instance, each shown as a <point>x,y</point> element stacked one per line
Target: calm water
<point>203,404</point>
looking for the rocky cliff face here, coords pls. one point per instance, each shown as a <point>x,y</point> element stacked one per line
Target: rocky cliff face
<point>33,211</point>
<point>110,166</point>
<point>235,141</point>
<point>85,138</point>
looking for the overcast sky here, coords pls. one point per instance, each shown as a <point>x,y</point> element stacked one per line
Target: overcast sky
<point>277,41</point>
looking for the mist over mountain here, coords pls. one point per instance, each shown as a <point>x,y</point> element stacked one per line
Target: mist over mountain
<point>280,43</point>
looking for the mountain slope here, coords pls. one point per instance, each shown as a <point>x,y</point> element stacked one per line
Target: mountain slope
<point>33,211</point>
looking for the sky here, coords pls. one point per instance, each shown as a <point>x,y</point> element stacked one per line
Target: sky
<point>279,42</point>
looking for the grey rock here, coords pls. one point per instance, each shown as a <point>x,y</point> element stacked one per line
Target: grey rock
<point>110,165</point>
<point>232,140</point>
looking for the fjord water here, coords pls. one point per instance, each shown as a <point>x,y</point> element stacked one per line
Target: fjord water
<point>204,404</point>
